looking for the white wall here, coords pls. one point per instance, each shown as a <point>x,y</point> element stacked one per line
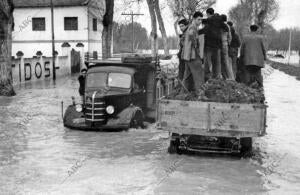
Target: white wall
<point>26,70</point>
<point>29,42</point>
<point>95,37</point>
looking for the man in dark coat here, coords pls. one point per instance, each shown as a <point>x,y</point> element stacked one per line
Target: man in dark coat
<point>81,79</point>
<point>213,43</point>
<point>253,54</point>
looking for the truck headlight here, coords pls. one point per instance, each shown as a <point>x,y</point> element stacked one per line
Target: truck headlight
<point>78,107</point>
<point>110,109</point>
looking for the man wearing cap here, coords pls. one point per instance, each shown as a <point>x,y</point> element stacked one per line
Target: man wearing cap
<point>192,54</point>
<point>253,54</point>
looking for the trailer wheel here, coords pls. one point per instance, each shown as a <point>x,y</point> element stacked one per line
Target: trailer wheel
<point>246,144</point>
<point>173,148</point>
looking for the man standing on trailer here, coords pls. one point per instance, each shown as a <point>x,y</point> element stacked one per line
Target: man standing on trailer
<point>183,25</point>
<point>253,54</point>
<point>192,54</point>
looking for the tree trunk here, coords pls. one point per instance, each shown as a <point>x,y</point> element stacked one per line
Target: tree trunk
<point>154,27</point>
<point>6,18</point>
<point>162,27</point>
<point>107,32</point>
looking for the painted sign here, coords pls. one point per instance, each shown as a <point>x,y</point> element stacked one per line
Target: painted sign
<point>33,69</point>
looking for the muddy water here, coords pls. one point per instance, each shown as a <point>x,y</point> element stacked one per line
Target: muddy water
<point>39,156</point>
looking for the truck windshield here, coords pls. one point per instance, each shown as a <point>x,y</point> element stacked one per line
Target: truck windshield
<point>96,80</point>
<point>120,80</point>
<point>100,79</point>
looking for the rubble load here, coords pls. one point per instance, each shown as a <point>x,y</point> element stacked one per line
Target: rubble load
<point>225,91</point>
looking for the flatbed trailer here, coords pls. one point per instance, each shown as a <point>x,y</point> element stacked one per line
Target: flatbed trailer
<point>211,126</point>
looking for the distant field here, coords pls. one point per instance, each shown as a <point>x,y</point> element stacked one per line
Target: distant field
<point>294,59</point>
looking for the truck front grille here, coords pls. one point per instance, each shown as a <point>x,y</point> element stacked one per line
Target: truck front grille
<point>95,110</point>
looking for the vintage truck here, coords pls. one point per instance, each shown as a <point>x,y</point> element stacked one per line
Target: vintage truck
<point>119,94</point>
<point>211,126</point>
<point>122,94</point>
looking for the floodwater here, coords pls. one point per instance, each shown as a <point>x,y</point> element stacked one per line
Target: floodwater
<point>40,156</point>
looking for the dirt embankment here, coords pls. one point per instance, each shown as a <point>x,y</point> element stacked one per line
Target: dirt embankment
<point>288,69</point>
<point>215,90</point>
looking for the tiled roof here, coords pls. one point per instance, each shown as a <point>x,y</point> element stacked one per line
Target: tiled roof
<point>46,3</point>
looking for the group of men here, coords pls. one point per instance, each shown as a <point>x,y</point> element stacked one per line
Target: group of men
<point>212,52</point>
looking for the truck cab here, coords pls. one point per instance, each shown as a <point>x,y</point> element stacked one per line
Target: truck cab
<point>117,95</point>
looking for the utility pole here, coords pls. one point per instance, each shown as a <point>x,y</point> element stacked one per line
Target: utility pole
<point>290,42</point>
<point>53,43</point>
<point>132,37</point>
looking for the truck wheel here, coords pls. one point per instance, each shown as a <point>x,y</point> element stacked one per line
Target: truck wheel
<point>137,121</point>
<point>246,144</point>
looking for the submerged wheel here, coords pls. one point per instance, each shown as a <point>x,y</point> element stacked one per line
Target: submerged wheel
<point>137,121</point>
<point>246,144</point>
<point>174,146</point>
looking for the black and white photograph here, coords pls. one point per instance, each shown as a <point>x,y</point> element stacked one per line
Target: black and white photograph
<point>149,97</point>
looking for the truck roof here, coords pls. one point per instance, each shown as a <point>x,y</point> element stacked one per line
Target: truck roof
<point>109,68</point>
<point>119,69</point>
<point>119,63</point>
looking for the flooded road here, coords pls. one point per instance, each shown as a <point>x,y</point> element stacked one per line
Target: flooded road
<point>40,156</point>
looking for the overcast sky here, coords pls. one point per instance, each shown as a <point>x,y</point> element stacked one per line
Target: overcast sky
<point>289,14</point>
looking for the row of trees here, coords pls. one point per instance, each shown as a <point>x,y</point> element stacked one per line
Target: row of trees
<point>279,40</point>
<point>263,13</point>
<point>260,12</point>
<point>122,39</point>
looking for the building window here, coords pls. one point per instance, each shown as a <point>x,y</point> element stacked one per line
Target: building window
<point>94,24</point>
<point>38,24</point>
<point>71,23</point>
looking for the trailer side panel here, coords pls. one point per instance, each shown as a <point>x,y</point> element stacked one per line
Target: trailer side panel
<point>212,118</point>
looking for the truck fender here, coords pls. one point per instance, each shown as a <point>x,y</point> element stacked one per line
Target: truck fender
<point>129,113</point>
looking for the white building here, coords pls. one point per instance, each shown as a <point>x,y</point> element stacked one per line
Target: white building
<point>75,21</point>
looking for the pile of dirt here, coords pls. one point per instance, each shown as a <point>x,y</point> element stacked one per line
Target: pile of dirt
<point>216,90</point>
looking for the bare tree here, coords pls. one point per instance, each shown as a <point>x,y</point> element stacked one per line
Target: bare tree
<point>156,17</point>
<point>240,16</point>
<point>186,8</point>
<point>260,12</point>
<point>161,27</point>
<point>153,34</point>
<point>6,24</point>
<point>107,29</point>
